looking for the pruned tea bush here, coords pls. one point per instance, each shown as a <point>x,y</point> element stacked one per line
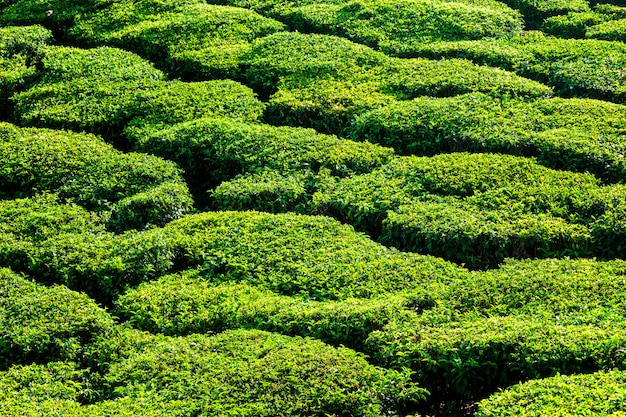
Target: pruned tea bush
<point>213,150</point>
<point>187,38</point>
<point>596,394</point>
<point>256,373</point>
<point>575,134</point>
<point>574,67</point>
<point>45,323</point>
<point>188,303</point>
<point>82,169</point>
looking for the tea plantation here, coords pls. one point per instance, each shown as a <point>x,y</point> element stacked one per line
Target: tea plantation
<point>305,208</point>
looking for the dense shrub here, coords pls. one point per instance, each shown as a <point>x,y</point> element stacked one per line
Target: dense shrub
<point>574,67</point>
<point>575,134</point>
<point>187,38</point>
<point>19,48</point>
<point>468,356</point>
<point>213,150</point>
<point>180,102</point>
<point>187,303</point>
<point>256,373</point>
<point>596,394</point>
<point>613,30</point>
<point>384,23</point>
<point>96,90</point>
<point>43,324</point>
<point>310,256</point>
<point>331,80</point>
<point>535,11</point>
<point>83,169</point>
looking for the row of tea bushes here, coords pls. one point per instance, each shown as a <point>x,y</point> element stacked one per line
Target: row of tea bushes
<point>19,46</point>
<point>380,23</point>
<point>330,80</point>
<point>241,373</point>
<point>536,11</point>
<point>43,324</point>
<point>527,320</point>
<point>136,190</point>
<point>471,355</point>
<point>212,150</point>
<point>576,134</point>
<point>605,21</point>
<point>185,38</point>
<point>596,394</point>
<point>311,257</point>
<point>102,90</point>
<point>574,67</point>
<point>188,303</point>
<point>475,209</point>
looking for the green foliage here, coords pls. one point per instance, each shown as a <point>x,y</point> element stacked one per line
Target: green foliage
<point>596,394</point>
<point>479,208</point>
<point>575,134</point>
<point>535,11</point>
<point>213,150</point>
<point>311,256</point>
<point>84,170</point>
<point>96,90</point>
<point>33,12</point>
<point>470,355</point>
<point>187,303</point>
<point>19,47</point>
<point>613,30</point>
<point>43,324</point>
<point>185,38</point>
<point>382,24</point>
<point>257,373</point>
<point>156,206</point>
<point>482,238</point>
<point>180,102</point>
<point>329,80</point>
<point>574,67</point>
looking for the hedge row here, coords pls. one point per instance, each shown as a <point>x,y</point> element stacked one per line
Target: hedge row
<point>603,22</point>
<point>212,150</point>
<point>102,90</point>
<point>19,46</point>
<point>469,356</point>
<point>596,394</point>
<point>313,257</point>
<point>45,323</point>
<point>574,67</point>
<point>329,80</point>
<point>185,38</point>
<point>234,373</point>
<point>134,189</point>
<point>476,209</point>
<point>188,303</point>
<point>535,11</point>
<point>575,134</point>
<point>378,23</point>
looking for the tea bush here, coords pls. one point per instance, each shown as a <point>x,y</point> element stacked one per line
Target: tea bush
<point>602,22</point>
<point>19,47</point>
<point>574,67</point>
<point>45,323</point>
<point>470,355</point>
<point>212,150</point>
<point>188,303</point>
<point>82,169</point>
<point>599,394</point>
<point>535,11</point>
<point>575,134</point>
<point>185,38</point>
<point>613,30</point>
<point>180,102</point>
<point>96,90</point>
<point>309,256</point>
<point>382,23</point>
<point>247,372</point>
<point>331,80</point>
